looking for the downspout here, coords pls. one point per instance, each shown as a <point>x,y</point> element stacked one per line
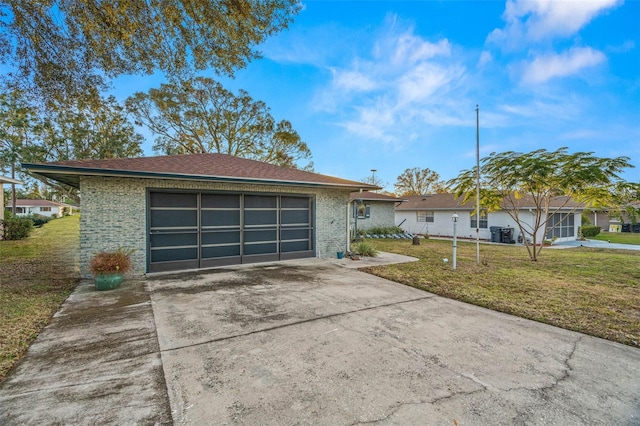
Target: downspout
<point>348,241</point>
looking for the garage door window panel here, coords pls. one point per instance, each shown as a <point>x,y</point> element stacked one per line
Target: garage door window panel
<point>171,255</point>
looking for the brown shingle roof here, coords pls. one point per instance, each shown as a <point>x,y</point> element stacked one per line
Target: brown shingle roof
<point>189,166</point>
<point>38,203</point>
<point>434,202</point>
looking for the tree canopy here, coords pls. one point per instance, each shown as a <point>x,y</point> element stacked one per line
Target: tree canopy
<point>549,180</point>
<point>417,181</point>
<point>63,48</point>
<point>199,115</point>
<point>85,129</point>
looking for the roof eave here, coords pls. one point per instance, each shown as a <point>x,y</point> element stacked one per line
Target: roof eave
<point>55,172</point>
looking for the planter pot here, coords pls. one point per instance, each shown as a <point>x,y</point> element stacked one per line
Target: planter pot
<point>108,281</point>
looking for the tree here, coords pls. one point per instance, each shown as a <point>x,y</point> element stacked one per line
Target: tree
<point>64,48</point>
<point>18,126</point>
<point>86,130</point>
<point>374,180</point>
<point>417,181</point>
<point>199,115</point>
<point>511,179</point>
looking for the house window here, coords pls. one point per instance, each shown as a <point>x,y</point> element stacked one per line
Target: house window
<point>45,209</point>
<point>363,211</point>
<point>20,210</point>
<point>424,217</point>
<point>560,225</point>
<point>484,219</point>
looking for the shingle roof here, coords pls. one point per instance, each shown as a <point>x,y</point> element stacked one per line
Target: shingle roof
<point>38,203</point>
<point>209,167</point>
<point>373,196</point>
<point>434,202</point>
<point>450,202</point>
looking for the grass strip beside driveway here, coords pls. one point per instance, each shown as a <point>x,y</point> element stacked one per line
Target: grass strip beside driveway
<point>593,291</point>
<point>36,275</point>
<point>619,237</point>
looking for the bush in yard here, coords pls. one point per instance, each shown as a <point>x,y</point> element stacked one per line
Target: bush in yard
<point>17,229</point>
<point>365,248</point>
<point>381,230</point>
<point>39,220</point>
<point>590,231</point>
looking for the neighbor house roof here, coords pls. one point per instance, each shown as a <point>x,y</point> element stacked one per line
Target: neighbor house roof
<point>373,196</point>
<point>207,167</point>
<point>450,202</point>
<point>39,203</point>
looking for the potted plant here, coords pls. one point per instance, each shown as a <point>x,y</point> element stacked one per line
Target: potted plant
<point>109,267</point>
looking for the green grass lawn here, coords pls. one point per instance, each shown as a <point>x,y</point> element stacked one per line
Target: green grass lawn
<point>593,291</point>
<point>619,237</point>
<point>36,276</point>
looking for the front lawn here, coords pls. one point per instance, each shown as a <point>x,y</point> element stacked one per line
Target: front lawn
<point>618,237</point>
<point>593,291</point>
<point>36,276</point>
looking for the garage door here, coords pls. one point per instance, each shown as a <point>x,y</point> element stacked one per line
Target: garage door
<point>193,230</point>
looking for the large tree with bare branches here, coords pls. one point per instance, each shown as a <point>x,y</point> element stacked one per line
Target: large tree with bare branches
<point>199,115</point>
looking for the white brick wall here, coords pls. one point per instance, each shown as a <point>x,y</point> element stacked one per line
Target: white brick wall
<point>114,214</point>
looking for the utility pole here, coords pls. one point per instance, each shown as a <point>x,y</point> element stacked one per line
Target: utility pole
<point>477,184</point>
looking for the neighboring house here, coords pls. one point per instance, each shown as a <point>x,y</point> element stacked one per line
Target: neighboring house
<point>433,215</point>
<point>204,210</point>
<point>42,207</point>
<point>613,220</point>
<point>4,180</point>
<point>372,210</point>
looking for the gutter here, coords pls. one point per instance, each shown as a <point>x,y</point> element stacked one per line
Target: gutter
<point>45,171</point>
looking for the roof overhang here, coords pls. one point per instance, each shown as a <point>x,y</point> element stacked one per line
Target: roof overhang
<point>4,179</point>
<point>71,176</point>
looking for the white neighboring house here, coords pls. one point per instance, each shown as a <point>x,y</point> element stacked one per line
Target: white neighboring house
<point>432,215</point>
<point>42,208</point>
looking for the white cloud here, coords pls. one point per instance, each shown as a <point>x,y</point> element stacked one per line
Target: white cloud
<point>537,20</point>
<point>422,81</point>
<point>544,68</point>
<point>389,87</point>
<point>352,80</point>
<point>485,58</point>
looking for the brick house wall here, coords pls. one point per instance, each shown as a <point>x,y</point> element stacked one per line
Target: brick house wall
<point>114,214</point>
<point>382,214</point>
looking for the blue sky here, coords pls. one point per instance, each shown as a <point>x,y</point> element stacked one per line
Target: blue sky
<point>390,85</point>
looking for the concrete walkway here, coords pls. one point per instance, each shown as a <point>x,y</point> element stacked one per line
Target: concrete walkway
<point>310,342</point>
<point>594,244</point>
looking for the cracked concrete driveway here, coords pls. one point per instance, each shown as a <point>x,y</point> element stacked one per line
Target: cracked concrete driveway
<point>310,342</point>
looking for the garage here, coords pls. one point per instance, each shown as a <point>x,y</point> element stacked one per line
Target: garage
<point>195,230</point>
<point>198,211</point>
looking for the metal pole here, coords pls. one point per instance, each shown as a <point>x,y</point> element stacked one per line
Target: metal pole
<point>455,244</point>
<point>477,185</point>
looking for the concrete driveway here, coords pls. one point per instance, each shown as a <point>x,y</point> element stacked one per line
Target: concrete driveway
<point>314,342</point>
